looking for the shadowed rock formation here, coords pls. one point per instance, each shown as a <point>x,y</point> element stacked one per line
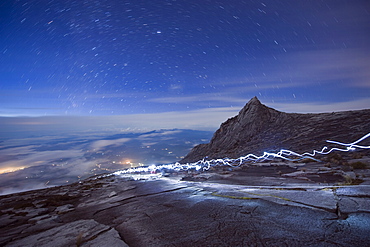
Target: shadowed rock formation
<point>258,128</point>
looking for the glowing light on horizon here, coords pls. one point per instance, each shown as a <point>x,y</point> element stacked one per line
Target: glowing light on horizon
<point>282,154</point>
<point>11,169</point>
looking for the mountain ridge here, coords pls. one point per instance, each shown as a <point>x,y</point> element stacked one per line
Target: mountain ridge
<point>258,128</point>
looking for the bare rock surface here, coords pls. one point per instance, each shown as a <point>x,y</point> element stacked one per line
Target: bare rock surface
<point>258,128</point>
<point>249,206</point>
<point>89,233</point>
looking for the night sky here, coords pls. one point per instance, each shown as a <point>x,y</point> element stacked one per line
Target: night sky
<point>120,57</point>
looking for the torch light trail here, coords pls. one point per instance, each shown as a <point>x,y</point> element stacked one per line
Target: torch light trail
<point>282,154</point>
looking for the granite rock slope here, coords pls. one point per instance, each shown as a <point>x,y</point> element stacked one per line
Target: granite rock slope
<point>121,211</point>
<point>258,128</point>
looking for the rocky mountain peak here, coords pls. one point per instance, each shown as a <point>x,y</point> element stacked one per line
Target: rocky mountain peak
<point>254,101</point>
<point>253,111</point>
<point>253,106</point>
<point>258,128</point>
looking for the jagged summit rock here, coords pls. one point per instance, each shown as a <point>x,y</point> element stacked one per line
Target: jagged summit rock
<point>258,128</point>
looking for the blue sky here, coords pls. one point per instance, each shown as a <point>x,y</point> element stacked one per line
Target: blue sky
<point>156,62</point>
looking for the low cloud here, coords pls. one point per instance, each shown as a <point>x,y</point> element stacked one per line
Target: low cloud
<point>159,134</point>
<point>33,158</point>
<point>100,144</point>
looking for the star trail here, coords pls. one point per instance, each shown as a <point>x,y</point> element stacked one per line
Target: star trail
<point>107,57</point>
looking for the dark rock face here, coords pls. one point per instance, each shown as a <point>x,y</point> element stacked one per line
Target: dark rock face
<point>258,128</point>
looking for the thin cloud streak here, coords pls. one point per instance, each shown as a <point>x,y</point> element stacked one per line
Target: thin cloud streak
<point>309,67</point>
<point>201,119</point>
<point>321,107</point>
<point>348,67</point>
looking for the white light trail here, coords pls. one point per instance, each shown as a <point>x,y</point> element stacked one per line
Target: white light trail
<point>282,154</point>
